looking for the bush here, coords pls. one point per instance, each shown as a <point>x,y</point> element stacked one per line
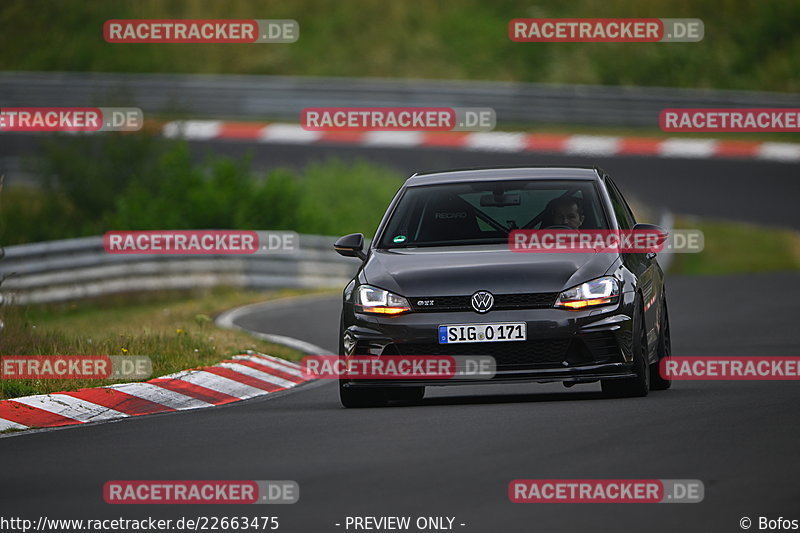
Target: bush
<point>93,184</point>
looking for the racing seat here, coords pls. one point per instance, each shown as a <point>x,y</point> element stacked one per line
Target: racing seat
<point>447,218</point>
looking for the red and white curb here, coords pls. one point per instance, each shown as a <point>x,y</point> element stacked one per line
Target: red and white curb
<point>242,377</point>
<point>493,141</point>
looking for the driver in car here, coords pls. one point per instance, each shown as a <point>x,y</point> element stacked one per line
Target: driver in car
<point>564,211</point>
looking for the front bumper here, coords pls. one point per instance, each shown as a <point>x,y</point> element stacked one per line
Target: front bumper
<point>561,345</point>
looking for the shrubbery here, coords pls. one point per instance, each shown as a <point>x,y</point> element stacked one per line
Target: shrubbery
<point>93,184</point>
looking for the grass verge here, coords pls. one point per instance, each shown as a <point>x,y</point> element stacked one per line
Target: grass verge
<point>748,44</point>
<point>738,248</point>
<point>176,329</point>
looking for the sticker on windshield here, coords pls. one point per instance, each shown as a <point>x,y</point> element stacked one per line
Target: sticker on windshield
<point>399,239</point>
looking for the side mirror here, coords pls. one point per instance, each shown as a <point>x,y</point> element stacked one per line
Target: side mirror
<point>648,227</point>
<point>351,246</point>
<point>652,228</point>
<point>659,233</point>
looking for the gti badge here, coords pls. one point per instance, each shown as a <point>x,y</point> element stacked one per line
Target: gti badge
<point>482,301</point>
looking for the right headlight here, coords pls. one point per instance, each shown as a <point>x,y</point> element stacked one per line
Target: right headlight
<point>369,299</point>
<point>600,291</point>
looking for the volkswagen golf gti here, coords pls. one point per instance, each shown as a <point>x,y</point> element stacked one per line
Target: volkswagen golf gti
<point>440,278</point>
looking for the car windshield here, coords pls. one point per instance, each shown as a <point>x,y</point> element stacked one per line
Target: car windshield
<point>486,212</point>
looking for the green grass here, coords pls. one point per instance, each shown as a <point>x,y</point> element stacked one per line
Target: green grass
<point>175,329</point>
<point>747,45</point>
<point>736,248</point>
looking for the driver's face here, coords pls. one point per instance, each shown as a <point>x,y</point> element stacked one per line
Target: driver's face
<point>567,215</point>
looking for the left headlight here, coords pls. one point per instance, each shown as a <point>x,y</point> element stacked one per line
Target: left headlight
<point>369,299</point>
<point>600,291</point>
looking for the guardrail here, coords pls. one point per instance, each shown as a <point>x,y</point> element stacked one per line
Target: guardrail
<point>71,269</point>
<point>283,97</point>
<point>79,268</point>
<point>2,256</point>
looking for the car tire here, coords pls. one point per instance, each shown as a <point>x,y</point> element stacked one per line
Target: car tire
<point>352,397</point>
<point>638,385</point>
<point>664,349</point>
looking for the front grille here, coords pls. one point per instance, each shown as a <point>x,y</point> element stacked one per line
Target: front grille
<point>602,344</point>
<point>533,300</point>
<point>508,355</point>
<point>589,348</point>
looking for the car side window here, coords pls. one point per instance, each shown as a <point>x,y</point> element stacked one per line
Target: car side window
<point>621,210</point>
<point>624,203</point>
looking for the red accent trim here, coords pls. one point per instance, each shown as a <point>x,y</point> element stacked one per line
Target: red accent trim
<point>241,130</point>
<point>243,378</point>
<point>32,416</point>
<point>737,149</point>
<point>457,139</point>
<point>345,137</point>
<point>639,146</point>
<point>545,142</point>
<point>119,401</point>
<point>274,371</point>
<point>195,391</point>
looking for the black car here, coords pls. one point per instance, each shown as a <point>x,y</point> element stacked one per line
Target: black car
<point>441,258</point>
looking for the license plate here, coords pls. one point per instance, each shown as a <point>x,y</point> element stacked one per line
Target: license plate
<point>457,333</point>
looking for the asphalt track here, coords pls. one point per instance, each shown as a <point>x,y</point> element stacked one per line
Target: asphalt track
<point>748,190</point>
<point>455,453</point>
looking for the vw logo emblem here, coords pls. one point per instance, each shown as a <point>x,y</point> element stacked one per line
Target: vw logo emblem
<point>482,301</point>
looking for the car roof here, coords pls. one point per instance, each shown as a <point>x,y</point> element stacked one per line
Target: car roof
<point>500,173</point>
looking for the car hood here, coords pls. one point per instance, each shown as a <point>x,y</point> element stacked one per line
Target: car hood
<point>463,270</point>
